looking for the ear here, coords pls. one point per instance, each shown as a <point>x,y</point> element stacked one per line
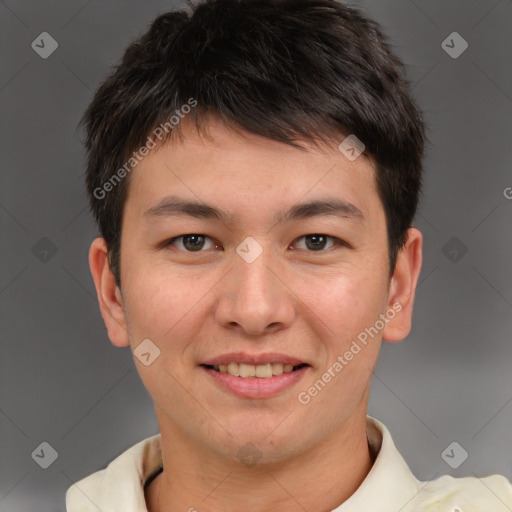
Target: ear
<point>402,287</point>
<point>109,295</point>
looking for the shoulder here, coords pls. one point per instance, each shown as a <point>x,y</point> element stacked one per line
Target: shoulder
<point>491,493</point>
<point>467,494</point>
<point>84,495</point>
<point>120,485</point>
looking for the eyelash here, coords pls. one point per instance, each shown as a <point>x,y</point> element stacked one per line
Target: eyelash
<point>338,242</point>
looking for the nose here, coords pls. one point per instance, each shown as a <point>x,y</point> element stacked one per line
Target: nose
<point>255,297</point>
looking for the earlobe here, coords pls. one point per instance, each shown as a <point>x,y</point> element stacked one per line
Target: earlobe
<point>403,287</point>
<point>109,296</point>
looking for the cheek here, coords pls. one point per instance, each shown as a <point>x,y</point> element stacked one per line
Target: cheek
<point>164,306</point>
<point>345,312</point>
<point>346,302</point>
<point>154,304</point>
<point>163,309</point>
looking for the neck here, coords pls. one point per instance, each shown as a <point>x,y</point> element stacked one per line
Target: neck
<point>319,479</point>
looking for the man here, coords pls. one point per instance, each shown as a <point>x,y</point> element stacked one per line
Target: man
<point>254,167</point>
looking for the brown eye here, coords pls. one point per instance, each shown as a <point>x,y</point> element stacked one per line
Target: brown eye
<point>191,242</point>
<point>318,242</point>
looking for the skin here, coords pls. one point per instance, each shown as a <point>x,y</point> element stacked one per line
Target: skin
<point>292,299</point>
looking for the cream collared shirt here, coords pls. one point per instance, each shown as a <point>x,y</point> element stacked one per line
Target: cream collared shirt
<point>389,486</point>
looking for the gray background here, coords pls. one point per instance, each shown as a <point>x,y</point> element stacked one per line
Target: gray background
<point>62,382</point>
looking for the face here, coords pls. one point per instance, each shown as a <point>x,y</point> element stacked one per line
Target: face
<point>282,259</point>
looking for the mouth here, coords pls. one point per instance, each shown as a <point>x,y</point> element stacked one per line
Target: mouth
<point>251,371</point>
<point>255,377</point>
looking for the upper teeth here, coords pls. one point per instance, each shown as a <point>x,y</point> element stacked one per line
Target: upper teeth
<point>250,370</point>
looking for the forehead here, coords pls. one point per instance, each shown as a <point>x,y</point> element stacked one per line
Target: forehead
<point>237,170</point>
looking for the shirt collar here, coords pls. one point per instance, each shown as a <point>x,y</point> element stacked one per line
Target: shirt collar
<point>390,484</point>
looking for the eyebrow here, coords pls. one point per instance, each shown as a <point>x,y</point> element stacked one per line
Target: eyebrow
<point>172,206</point>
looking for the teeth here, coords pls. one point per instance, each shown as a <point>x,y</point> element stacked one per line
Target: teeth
<point>247,370</point>
<point>233,369</point>
<point>262,371</point>
<point>277,368</point>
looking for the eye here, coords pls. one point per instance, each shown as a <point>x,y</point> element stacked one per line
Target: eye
<point>191,242</point>
<point>317,242</point>
<point>194,242</point>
